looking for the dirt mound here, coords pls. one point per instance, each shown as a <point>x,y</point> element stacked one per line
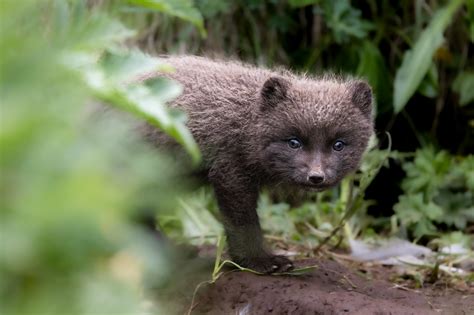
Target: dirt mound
<point>329,289</point>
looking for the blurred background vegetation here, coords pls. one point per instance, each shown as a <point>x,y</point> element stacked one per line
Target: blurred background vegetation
<point>75,181</point>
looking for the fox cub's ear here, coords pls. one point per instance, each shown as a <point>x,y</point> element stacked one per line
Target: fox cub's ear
<point>362,97</point>
<point>274,91</point>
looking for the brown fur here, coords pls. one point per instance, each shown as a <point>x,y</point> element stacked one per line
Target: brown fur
<point>243,117</point>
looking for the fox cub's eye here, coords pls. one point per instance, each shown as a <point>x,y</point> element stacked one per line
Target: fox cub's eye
<point>338,145</point>
<point>294,143</point>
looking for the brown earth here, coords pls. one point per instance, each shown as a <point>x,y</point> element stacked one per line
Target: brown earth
<point>330,288</point>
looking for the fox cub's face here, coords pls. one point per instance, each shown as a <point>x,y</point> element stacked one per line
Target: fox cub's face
<point>314,132</point>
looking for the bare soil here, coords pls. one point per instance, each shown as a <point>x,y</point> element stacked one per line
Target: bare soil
<point>330,288</point>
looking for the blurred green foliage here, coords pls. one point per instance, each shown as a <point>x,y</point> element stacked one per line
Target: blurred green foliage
<point>392,44</point>
<point>464,86</point>
<point>75,178</point>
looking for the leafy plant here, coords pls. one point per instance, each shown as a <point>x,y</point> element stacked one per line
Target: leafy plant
<point>437,190</point>
<point>400,47</point>
<point>314,218</point>
<point>302,3</point>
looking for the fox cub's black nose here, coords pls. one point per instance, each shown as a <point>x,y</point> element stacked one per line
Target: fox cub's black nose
<point>316,178</point>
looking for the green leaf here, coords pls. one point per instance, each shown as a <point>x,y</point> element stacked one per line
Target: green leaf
<point>165,90</point>
<point>464,85</point>
<point>125,66</point>
<point>417,60</point>
<point>213,8</point>
<point>454,238</point>
<point>146,100</point>
<point>182,9</point>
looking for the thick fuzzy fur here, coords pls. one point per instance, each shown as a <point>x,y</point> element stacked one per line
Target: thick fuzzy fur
<point>243,118</point>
